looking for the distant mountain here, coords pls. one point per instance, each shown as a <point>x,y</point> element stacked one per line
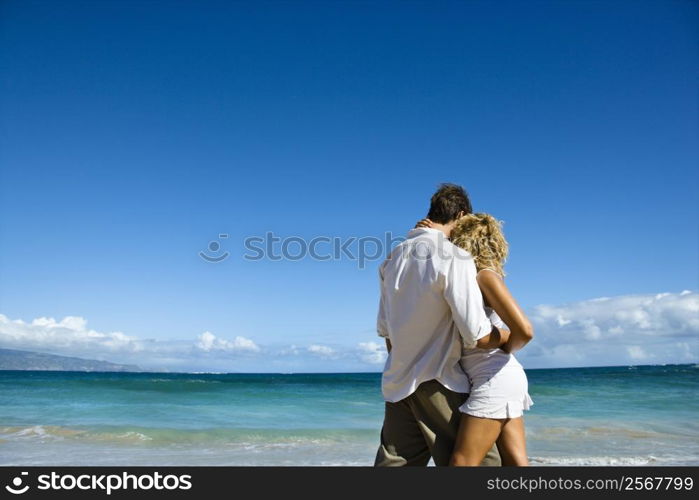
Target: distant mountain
<point>11,359</point>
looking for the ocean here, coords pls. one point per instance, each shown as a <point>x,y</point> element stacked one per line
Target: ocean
<point>635,415</point>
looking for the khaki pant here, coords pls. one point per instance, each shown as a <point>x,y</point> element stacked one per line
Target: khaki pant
<point>422,425</point>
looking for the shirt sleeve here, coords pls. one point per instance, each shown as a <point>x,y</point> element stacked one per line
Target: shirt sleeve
<point>463,295</point>
<point>381,324</point>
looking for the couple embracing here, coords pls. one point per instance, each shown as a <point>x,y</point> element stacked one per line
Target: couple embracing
<point>453,389</point>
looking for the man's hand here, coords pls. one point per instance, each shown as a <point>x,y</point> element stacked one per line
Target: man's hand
<point>424,223</point>
<point>498,337</point>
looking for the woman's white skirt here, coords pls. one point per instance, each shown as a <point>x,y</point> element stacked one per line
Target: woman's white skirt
<point>499,394</point>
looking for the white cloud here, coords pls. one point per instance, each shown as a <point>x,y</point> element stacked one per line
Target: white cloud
<point>72,337</point>
<point>209,342</point>
<point>372,352</point>
<point>636,352</point>
<point>321,350</point>
<point>71,334</point>
<point>630,329</point>
<point>654,328</point>
<point>291,350</point>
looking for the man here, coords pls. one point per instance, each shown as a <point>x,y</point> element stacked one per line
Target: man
<point>430,306</point>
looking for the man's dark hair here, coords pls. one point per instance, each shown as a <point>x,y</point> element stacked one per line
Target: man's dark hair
<point>447,202</point>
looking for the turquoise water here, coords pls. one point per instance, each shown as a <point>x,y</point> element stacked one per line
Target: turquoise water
<point>606,416</point>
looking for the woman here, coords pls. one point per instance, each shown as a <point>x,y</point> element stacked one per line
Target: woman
<point>493,412</point>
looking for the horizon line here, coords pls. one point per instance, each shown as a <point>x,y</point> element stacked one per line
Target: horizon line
<point>328,373</point>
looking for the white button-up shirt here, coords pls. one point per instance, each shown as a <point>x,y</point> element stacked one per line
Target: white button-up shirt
<point>430,307</point>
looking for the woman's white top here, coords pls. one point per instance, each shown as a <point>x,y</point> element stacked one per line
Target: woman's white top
<point>477,362</point>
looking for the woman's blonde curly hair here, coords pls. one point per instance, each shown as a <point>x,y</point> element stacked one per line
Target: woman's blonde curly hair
<point>481,235</point>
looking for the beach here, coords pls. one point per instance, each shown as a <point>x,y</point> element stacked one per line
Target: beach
<point>634,415</point>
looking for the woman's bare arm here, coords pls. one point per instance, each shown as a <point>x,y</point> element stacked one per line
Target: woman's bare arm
<point>500,299</point>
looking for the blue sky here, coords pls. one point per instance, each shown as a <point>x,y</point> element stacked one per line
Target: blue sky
<point>133,133</point>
